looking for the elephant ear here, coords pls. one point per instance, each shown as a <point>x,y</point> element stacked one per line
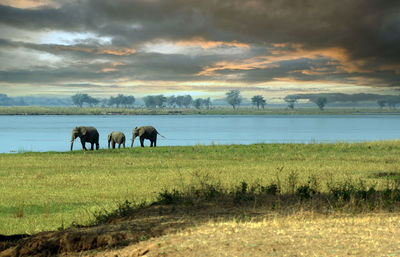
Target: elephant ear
<point>141,132</point>
<point>83,131</point>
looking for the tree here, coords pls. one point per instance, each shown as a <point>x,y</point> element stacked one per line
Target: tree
<point>104,102</point>
<point>129,100</point>
<point>381,103</point>
<point>233,98</point>
<point>5,100</point>
<point>321,102</point>
<point>393,101</point>
<point>92,101</point>
<point>290,100</point>
<point>263,103</point>
<point>197,103</point>
<point>258,100</point>
<point>179,100</point>
<point>207,102</point>
<point>154,101</point>
<point>111,101</point>
<point>171,101</point>
<point>79,99</point>
<point>160,100</point>
<point>187,101</point>
<point>121,100</point>
<point>149,101</point>
<point>117,101</point>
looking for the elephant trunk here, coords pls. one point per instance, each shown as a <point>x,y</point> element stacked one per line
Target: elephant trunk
<point>72,142</point>
<point>133,139</point>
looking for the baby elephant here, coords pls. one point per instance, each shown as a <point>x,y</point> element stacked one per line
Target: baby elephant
<point>116,137</point>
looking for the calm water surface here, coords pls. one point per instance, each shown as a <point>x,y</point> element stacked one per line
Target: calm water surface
<point>53,133</point>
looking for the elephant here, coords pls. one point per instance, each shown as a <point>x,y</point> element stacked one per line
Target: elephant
<point>116,137</point>
<point>146,132</point>
<point>86,134</point>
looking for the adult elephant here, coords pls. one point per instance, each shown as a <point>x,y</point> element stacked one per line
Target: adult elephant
<point>116,137</point>
<point>87,135</point>
<point>146,132</point>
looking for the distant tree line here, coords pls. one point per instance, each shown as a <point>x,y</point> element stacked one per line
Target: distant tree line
<point>80,99</point>
<point>391,102</point>
<point>234,98</point>
<point>8,101</point>
<point>118,101</point>
<point>121,101</point>
<point>319,100</point>
<point>322,99</point>
<point>34,100</point>
<point>186,101</point>
<point>150,101</point>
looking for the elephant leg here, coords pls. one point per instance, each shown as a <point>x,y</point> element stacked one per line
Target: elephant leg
<point>97,146</point>
<point>119,146</point>
<point>155,140</point>
<point>83,144</point>
<point>91,146</point>
<point>124,144</point>
<point>142,142</point>
<point>151,142</point>
<point>113,144</point>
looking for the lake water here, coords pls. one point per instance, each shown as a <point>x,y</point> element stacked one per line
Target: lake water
<point>53,133</point>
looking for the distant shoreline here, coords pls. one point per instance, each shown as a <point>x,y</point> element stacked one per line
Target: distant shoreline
<point>39,110</point>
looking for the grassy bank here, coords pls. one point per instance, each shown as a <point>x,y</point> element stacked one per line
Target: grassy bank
<point>38,110</point>
<point>45,191</point>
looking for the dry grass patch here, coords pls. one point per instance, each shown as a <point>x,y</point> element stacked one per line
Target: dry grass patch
<point>303,234</point>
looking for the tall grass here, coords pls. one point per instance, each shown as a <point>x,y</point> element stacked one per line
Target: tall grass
<point>45,191</point>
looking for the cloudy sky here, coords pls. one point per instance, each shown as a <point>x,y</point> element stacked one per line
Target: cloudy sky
<point>200,47</point>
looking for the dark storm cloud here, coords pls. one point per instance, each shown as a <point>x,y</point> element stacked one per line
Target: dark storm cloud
<point>368,31</point>
<point>141,66</point>
<point>126,21</point>
<point>44,75</point>
<point>366,28</point>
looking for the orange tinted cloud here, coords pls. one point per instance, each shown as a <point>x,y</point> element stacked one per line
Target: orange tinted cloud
<point>334,53</point>
<point>100,50</point>
<point>280,53</point>
<point>395,68</point>
<point>26,3</point>
<point>199,41</point>
<point>112,67</point>
<point>116,51</point>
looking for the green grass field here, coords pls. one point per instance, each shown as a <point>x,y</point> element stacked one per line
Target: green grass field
<point>40,110</point>
<point>46,191</point>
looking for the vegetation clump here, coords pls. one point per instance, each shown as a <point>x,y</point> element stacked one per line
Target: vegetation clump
<point>341,197</point>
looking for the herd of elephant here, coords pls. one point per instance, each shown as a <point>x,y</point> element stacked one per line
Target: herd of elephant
<point>91,135</point>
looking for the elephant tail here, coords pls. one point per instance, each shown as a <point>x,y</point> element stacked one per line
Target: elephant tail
<point>160,134</point>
